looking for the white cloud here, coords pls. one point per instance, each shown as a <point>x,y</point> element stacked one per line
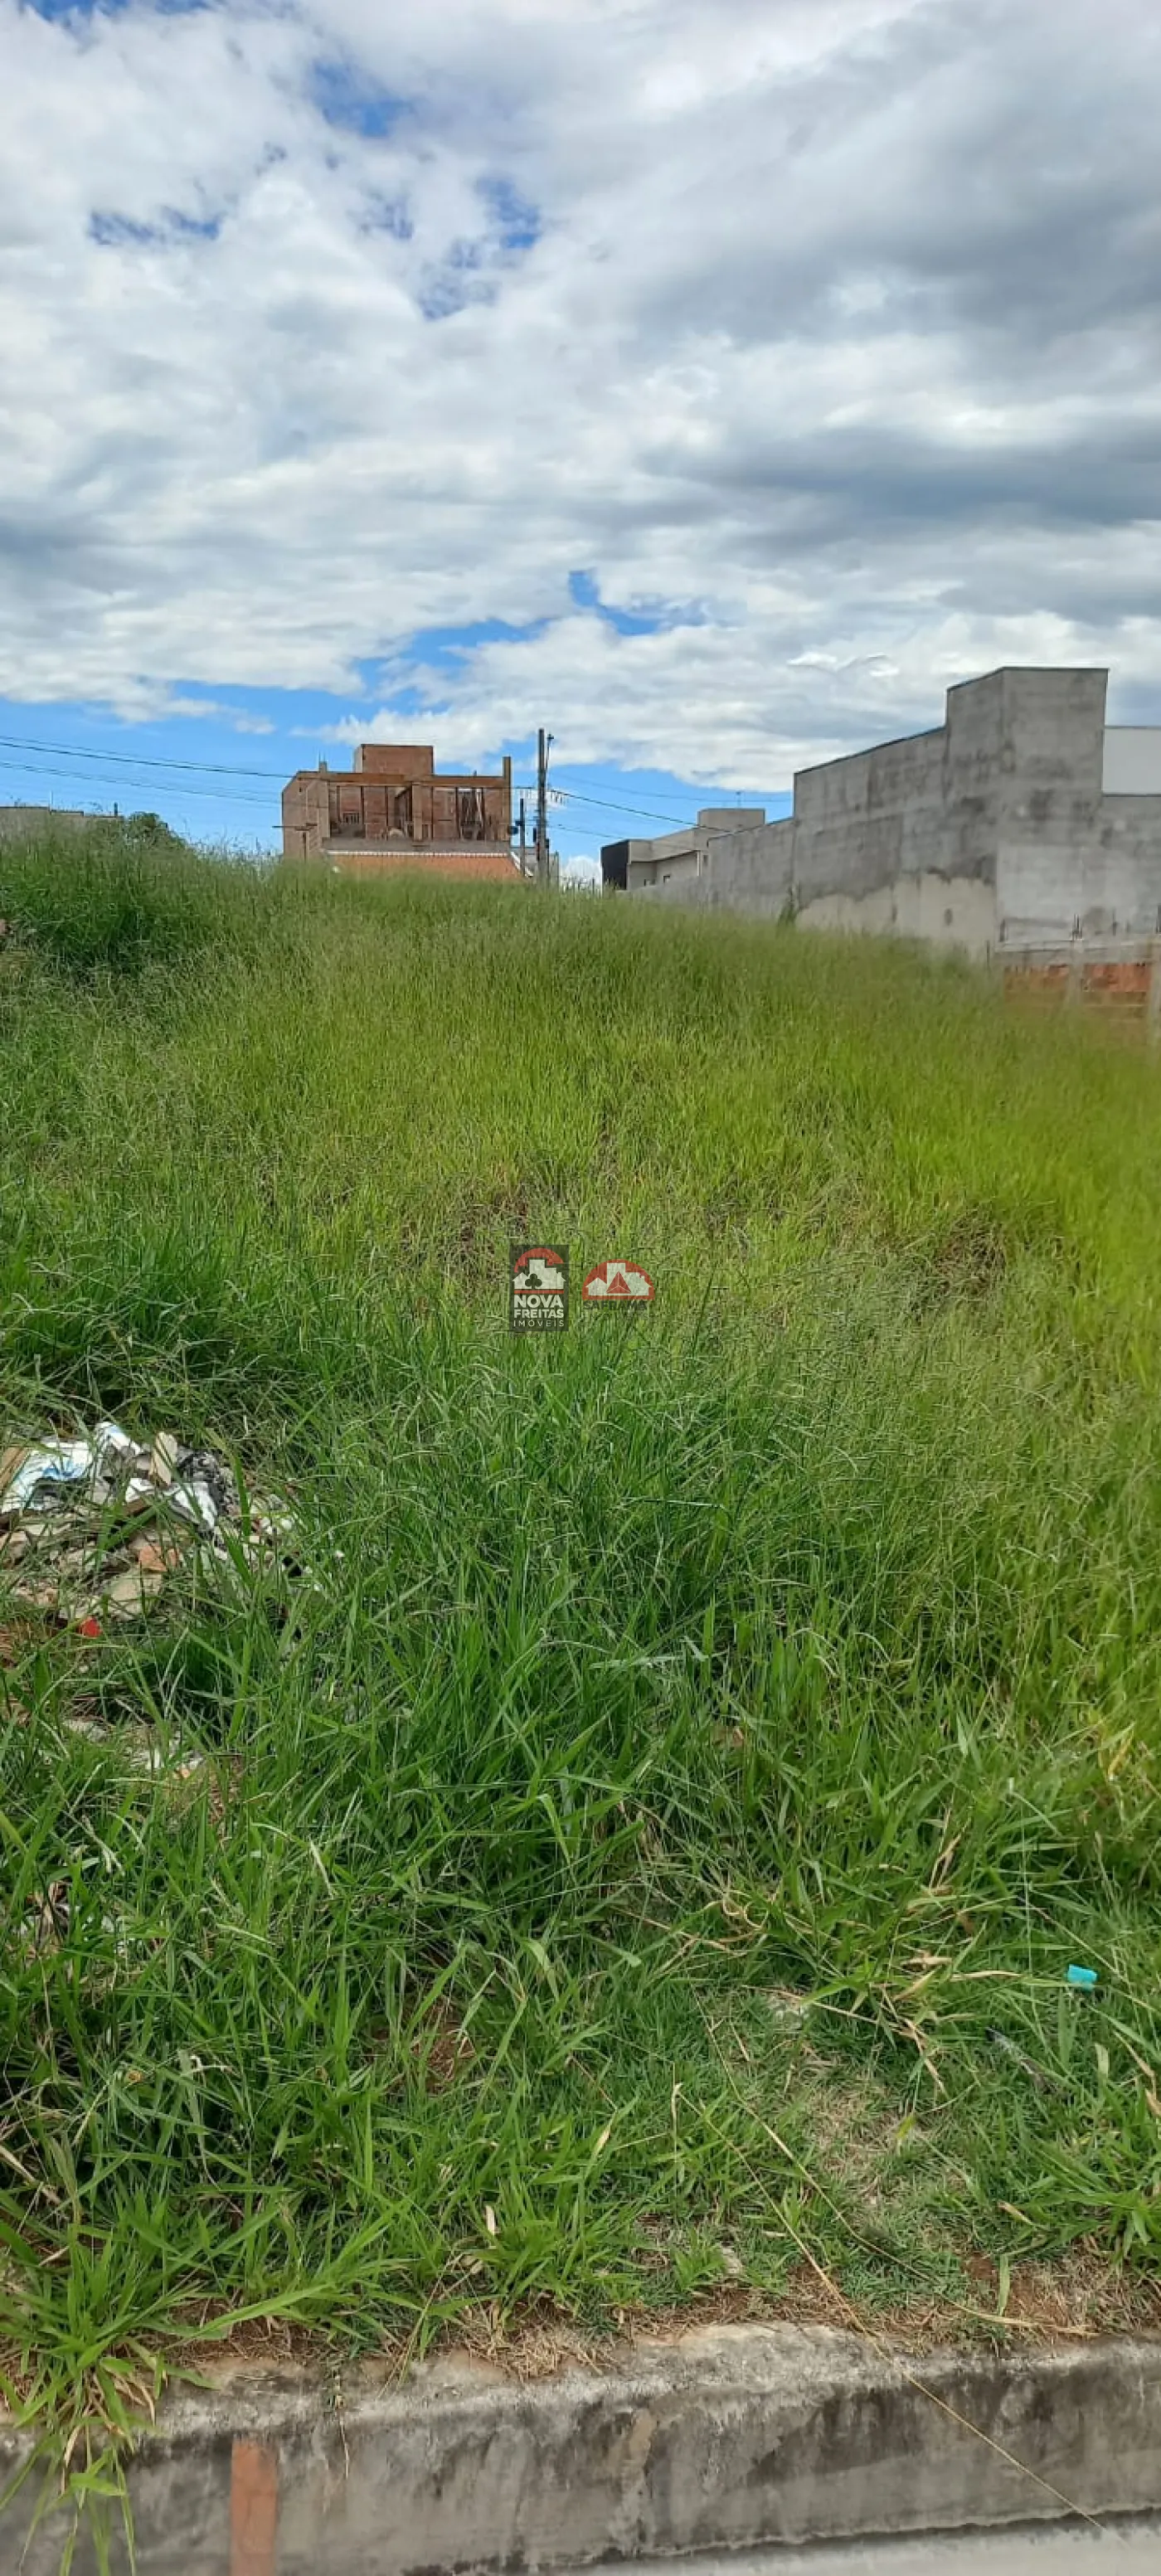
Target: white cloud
<point>820,335</point>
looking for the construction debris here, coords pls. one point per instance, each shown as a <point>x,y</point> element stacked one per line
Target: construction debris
<point>92,1528</point>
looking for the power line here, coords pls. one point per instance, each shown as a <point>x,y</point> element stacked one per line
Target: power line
<point>134,759</point>
<point>94,774</point>
<point>650,813</point>
<point>96,761</point>
<point>236,769</point>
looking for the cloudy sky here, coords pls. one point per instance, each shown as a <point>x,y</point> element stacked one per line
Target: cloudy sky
<point>713,381</point>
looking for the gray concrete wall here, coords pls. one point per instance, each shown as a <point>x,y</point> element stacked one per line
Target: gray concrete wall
<point>1053,725</point>
<point>997,829</point>
<point>750,870</point>
<point>21,822</point>
<point>733,2437</point>
<point>1133,760</point>
<point>729,859</point>
<point>943,912</point>
<point>1129,864</point>
<point>673,857</point>
<point>904,838</point>
<point>974,775</point>
<point>1075,859</point>
<point>1104,884</point>
<point>854,818</point>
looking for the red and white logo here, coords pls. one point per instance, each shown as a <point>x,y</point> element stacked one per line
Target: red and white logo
<point>618,1283</point>
<point>538,1287</point>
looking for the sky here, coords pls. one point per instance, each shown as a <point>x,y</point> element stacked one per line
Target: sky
<point>711,381</point>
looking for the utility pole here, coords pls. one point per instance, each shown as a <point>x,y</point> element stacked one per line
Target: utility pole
<point>523,841</point>
<point>543,860</point>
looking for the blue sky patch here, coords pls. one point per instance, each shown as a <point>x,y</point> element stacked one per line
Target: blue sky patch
<point>584,592</point>
<point>459,281</point>
<point>75,8</point>
<point>516,223</point>
<point>124,232</point>
<point>437,650</point>
<point>183,227</point>
<point>352,100</point>
<point>120,232</point>
<point>217,774</point>
<point>469,271</point>
<point>388,215</point>
<point>66,9</point>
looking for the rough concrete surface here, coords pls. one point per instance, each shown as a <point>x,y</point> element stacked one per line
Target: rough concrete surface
<point>733,2438</point>
<point>1023,817</point>
<point>1056,2549</point>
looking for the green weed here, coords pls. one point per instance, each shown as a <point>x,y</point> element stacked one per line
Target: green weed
<point>657,1841</point>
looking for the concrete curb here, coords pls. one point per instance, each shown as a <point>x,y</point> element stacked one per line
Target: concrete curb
<point>735,2437</point>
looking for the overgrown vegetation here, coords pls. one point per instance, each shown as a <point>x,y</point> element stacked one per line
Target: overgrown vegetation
<point>653,1854</point>
<point>125,894</point>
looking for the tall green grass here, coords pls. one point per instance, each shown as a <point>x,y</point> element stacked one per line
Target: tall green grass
<point>802,1638</point>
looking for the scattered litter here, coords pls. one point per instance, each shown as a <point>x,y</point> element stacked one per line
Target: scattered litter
<point>1085,1978</point>
<point>785,2005</point>
<point>137,1747</point>
<point>93,1728</point>
<point>91,1528</point>
<point>40,1474</point>
<point>1007,2047</point>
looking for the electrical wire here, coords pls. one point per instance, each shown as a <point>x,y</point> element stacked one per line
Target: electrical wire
<point>134,759</point>
<point>650,813</point>
<point>236,769</point>
<point>95,763</point>
<point>75,778</point>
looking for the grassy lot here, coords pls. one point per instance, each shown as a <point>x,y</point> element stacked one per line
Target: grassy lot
<point>649,1855</point>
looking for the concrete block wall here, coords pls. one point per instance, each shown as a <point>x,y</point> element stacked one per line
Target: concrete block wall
<point>23,822</point>
<point>1076,860</point>
<point>996,829</point>
<point>1052,735</point>
<point>749,869</point>
<point>899,838</point>
<point>1125,887</point>
<point>860,822</point>
<point>903,838</point>
<point>731,859</point>
<point>1132,760</point>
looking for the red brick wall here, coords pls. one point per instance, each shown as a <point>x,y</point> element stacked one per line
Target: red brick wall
<point>1126,984</point>
<point>1122,988</point>
<point>397,760</point>
<point>1038,986</point>
<point>393,788</point>
<point>484,862</point>
<point>304,815</point>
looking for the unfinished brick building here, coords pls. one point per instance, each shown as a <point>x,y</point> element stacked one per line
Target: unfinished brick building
<point>392,809</point>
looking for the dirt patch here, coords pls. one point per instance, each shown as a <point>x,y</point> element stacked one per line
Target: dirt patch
<point>1076,2298</point>
<point>971,1256</point>
<point>441,2048</point>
